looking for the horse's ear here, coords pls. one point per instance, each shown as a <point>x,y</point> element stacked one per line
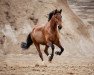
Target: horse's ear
<point>55,11</point>
<point>60,11</point>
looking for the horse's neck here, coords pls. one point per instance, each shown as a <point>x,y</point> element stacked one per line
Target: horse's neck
<point>53,25</point>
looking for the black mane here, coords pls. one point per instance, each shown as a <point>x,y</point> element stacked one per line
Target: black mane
<point>50,15</point>
<point>53,13</point>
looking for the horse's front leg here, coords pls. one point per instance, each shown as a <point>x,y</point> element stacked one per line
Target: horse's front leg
<point>49,44</point>
<point>51,57</point>
<point>39,51</point>
<point>46,50</point>
<point>59,45</point>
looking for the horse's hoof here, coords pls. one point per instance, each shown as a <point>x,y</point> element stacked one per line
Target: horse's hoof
<point>58,53</point>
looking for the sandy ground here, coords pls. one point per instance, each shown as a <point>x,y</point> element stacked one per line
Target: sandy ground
<point>78,57</point>
<point>32,65</point>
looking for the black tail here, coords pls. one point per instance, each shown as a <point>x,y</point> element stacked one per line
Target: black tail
<point>28,42</point>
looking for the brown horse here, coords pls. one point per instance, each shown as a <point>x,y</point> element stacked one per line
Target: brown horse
<point>46,35</point>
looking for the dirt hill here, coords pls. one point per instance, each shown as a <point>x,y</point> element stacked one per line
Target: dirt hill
<point>18,17</point>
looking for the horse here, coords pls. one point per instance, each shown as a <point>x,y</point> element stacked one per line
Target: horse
<point>47,35</point>
<point>52,13</point>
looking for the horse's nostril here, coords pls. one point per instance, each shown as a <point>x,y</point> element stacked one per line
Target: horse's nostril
<point>60,27</point>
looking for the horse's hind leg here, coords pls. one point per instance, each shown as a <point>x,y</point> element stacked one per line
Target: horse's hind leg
<point>38,49</point>
<point>62,49</point>
<point>46,50</point>
<point>51,57</point>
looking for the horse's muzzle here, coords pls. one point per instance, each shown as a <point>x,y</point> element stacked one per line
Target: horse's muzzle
<point>60,27</point>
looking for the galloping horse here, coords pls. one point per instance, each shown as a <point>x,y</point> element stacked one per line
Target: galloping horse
<point>46,35</point>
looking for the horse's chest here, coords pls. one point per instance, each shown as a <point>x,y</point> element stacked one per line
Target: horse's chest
<point>53,37</point>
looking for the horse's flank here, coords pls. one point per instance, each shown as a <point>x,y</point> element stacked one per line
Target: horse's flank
<point>38,35</point>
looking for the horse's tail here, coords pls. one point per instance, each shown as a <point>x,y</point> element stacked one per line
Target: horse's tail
<point>28,43</point>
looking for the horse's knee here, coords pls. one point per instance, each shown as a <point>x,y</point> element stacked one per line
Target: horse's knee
<point>49,44</point>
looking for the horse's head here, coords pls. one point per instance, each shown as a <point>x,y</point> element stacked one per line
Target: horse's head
<point>58,18</point>
<point>53,13</point>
